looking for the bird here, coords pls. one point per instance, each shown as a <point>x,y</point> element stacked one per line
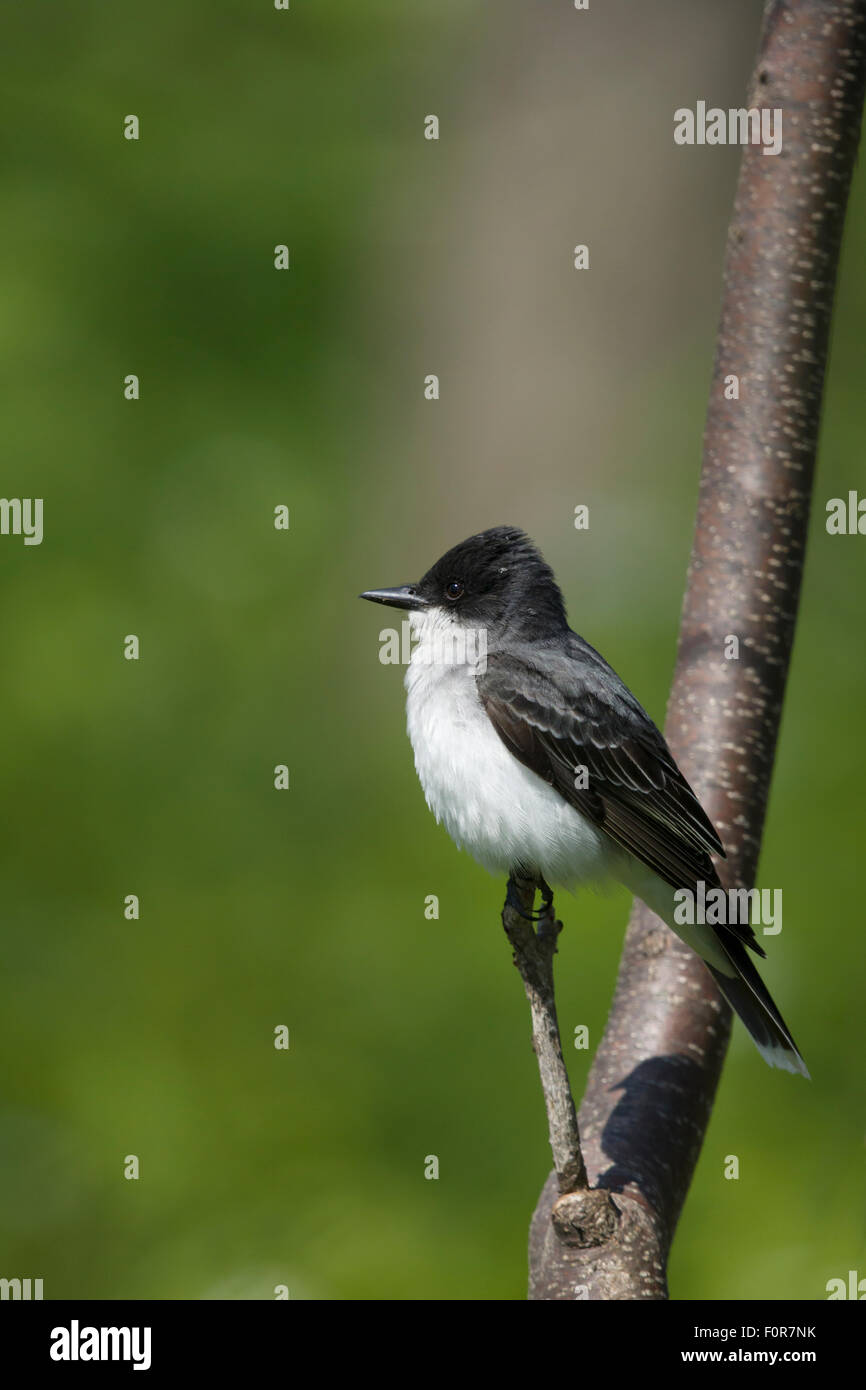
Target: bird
<point>542,764</point>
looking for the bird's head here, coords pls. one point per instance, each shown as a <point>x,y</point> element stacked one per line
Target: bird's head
<point>496,580</point>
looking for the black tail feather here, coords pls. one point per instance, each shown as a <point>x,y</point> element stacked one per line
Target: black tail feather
<point>749,997</point>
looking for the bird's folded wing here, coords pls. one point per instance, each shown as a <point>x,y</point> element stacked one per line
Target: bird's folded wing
<point>601,751</point>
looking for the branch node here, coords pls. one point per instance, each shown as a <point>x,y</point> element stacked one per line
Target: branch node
<point>586,1218</point>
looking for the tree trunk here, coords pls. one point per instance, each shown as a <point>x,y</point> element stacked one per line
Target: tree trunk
<point>654,1077</point>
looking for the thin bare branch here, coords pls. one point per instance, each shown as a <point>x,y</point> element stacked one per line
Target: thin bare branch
<point>584,1217</point>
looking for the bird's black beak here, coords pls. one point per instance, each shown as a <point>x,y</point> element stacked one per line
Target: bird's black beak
<point>406,596</point>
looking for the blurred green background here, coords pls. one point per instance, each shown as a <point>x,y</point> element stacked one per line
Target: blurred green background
<point>409,1037</point>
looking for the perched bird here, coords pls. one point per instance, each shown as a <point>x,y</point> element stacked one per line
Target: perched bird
<point>543,765</point>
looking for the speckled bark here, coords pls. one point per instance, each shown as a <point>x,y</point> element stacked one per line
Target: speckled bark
<point>654,1077</point>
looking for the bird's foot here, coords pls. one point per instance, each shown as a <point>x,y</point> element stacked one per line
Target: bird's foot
<point>546,898</point>
<point>515,893</point>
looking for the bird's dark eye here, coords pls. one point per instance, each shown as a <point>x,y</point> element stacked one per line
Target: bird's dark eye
<point>454,590</point>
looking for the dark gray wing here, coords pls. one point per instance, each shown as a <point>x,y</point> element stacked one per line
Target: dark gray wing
<point>561,712</point>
